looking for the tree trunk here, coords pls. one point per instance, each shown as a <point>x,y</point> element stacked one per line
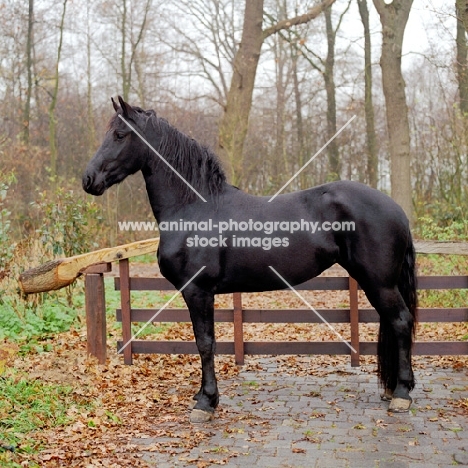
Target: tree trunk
<point>234,122</point>
<point>126,67</point>
<point>371,139</point>
<point>461,8</point>
<point>141,90</point>
<point>29,49</point>
<point>53,104</point>
<point>462,12</point>
<point>90,119</point>
<point>123,67</point>
<point>299,120</point>
<point>329,78</point>
<point>280,164</point>
<point>133,56</point>
<point>462,63</point>
<point>394,17</point>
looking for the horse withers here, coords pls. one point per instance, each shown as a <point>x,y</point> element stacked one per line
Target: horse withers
<point>215,239</point>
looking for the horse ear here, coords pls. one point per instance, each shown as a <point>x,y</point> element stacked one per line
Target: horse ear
<point>116,106</point>
<point>127,109</point>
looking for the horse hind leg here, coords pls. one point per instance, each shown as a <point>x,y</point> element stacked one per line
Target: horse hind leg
<point>394,347</point>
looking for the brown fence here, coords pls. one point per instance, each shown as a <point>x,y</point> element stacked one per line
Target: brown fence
<point>95,306</point>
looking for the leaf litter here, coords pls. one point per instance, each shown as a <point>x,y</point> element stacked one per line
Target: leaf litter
<point>144,408</point>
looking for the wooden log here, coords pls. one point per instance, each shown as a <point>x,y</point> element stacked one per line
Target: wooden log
<point>97,268</point>
<point>63,271</point>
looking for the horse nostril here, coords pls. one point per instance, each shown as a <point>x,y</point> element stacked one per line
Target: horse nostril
<point>87,181</point>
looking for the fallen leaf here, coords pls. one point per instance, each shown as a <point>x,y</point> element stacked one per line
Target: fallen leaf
<point>298,450</point>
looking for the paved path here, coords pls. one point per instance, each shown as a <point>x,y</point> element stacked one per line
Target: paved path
<point>333,419</point>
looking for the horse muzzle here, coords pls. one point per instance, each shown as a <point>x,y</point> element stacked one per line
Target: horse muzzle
<point>93,185</point>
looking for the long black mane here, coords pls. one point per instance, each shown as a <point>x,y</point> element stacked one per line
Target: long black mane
<point>196,163</point>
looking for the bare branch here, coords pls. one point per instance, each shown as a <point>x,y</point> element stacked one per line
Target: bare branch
<point>301,19</point>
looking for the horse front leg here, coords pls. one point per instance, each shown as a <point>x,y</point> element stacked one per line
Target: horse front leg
<point>201,307</point>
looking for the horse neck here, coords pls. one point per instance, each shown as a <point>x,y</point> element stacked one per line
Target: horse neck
<point>160,195</point>
<point>166,191</point>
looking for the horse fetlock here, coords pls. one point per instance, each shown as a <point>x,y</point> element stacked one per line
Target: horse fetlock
<point>203,410</point>
<point>208,401</point>
<point>403,389</point>
<point>209,391</point>
<point>213,400</point>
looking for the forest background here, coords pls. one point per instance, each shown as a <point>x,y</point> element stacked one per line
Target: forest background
<point>319,64</point>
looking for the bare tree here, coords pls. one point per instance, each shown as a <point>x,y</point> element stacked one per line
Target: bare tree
<point>126,67</point>
<point>326,67</point>
<point>371,138</point>
<point>280,48</point>
<point>53,102</point>
<point>234,122</point>
<point>89,86</point>
<point>330,88</point>
<point>394,16</point>
<point>210,48</point>
<point>29,68</point>
<point>461,8</point>
<point>299,118</point>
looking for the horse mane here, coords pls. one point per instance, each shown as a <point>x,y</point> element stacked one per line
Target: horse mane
<point>196,163</point>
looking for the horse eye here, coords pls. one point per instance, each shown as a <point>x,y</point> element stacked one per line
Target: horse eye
<point>120,136</point>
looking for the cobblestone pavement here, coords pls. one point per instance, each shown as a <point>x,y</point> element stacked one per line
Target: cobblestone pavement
<point>271,418</point>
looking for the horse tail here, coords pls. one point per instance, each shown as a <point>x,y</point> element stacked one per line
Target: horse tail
<point>387,351</point>
<point>407,283</point>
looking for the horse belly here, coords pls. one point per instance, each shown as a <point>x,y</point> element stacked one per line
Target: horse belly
<point>256,269</point>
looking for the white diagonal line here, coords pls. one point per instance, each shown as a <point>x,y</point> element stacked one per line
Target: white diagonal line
<point>313,310</point>
<point>161,309</point>
<point>162,159</point>
<point>312,158</point>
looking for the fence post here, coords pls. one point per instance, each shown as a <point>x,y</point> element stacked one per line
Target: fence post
<point>238,329</point>
<point>95,306</point>
<point>354,320</point>
<point>124,271</point>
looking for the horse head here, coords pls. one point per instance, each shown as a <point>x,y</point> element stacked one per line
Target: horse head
<point>122,152</point>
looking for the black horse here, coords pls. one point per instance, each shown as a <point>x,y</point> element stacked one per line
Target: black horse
<point>215,238</point>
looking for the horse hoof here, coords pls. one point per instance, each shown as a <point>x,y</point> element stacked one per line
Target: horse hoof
<point>387,395</point>
<point>198,416</point>
<point>400,405</point>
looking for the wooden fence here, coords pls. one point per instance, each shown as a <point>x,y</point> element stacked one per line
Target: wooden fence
<point>96,319</point>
